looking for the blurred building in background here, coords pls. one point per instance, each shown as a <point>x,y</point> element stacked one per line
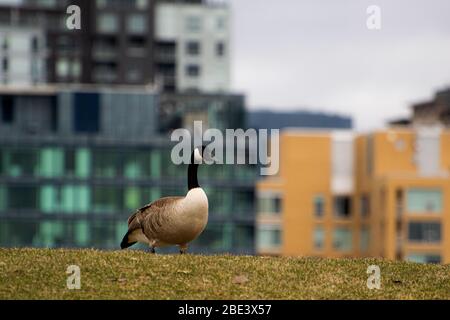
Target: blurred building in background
<point>341,194</point>
<point>76,161</point>
<point>118,43</point>
<point>192,46</point>
<point>266,119</point>
<point>22,56</point>
<point>86,117</point>
<point>114,43</point>
<point>430,113</point>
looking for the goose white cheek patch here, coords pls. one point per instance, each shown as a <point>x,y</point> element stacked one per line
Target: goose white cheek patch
<point>197,157</point>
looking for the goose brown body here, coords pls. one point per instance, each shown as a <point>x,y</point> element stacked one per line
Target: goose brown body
<point>171,220</point>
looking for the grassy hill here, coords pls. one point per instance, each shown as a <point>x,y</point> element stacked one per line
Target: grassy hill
<point>41,274</point>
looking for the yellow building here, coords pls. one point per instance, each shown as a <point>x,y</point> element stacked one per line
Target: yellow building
<point>341,194</point>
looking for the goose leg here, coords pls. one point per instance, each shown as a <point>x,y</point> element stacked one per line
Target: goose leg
<point>152,250</point>
<point>183,248</point>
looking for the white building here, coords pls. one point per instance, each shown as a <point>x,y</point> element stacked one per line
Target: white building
<point>200,38</point>
<point>22,56</point>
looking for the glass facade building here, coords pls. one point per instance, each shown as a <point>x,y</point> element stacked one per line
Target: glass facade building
<point>76,184</point>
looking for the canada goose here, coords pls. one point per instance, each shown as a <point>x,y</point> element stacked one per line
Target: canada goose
<point>171,220</point>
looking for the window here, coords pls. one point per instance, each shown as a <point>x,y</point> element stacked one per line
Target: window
<point>5,44</point>
<point>342,206</point>
<point>243,201</point>
<point>193,70</point>
<point>62,68</point>
<point>137,165</point>
<point>107,22</point>
<point>243,239</point>
<point>319,238</point>
<point>364,206</point>
<point>137,23</point>
<point>86,110</point>
<point>5,64</point>
<point>221,23</point>
<point>216,237</point>
<point>134,75</point>
<point>221,202</point>
<point>220,49</point>
<point>424,258</point>
<point>364,239</point>
<point>69,199</point>
<point>22,198</point>
<point>319,206</point>
<point>107,199</point>
<point>7,105</point>
<point>19,162</point>
<point>193,48</point>
<point>34,44</point>
<point>268,236</point>
<point>193,24</point>
<point>107,163</point>
<point>342,239</point>
<point>77,163</point>
<point>51,162</point>
<point>141,4</point>
<point>3,203</point>
<point>269,204</point>
<point>424,200</point>
<point>76,69</point>
<point>428,232</point>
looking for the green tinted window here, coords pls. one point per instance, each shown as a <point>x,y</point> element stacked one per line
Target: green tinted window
<point>107,199</point>
<point>82,163</point>
<point>107,164</point>
<point>3,204</point>
<point>155,163</point>
<point>51,162</point>
<point>68,199</point>
<point>342,239</point>
<point>18,162</point>
<point>319,238</point>
<point>81,233</point>
<point>424,201</point>
<point>268,236</point>
<point>137,165</point>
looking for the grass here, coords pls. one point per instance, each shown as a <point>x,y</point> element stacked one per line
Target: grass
<point>41,274</point>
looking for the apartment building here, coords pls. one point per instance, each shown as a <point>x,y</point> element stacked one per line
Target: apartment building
<point>341,194</point>
<point>118,43</point>
<point>114,43</point>
<point>193,46</point>
<point>23,56</point>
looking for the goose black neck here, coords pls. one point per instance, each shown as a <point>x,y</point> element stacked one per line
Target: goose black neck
<point>192,174</point>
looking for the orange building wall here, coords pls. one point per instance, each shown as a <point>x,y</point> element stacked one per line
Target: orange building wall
<point>308,170</point>
<point>305,171</point>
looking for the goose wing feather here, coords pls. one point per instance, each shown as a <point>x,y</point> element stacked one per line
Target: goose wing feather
<point>152,216</point>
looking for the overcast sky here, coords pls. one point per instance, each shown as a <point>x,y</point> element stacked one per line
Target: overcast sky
<point>319,55</point>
